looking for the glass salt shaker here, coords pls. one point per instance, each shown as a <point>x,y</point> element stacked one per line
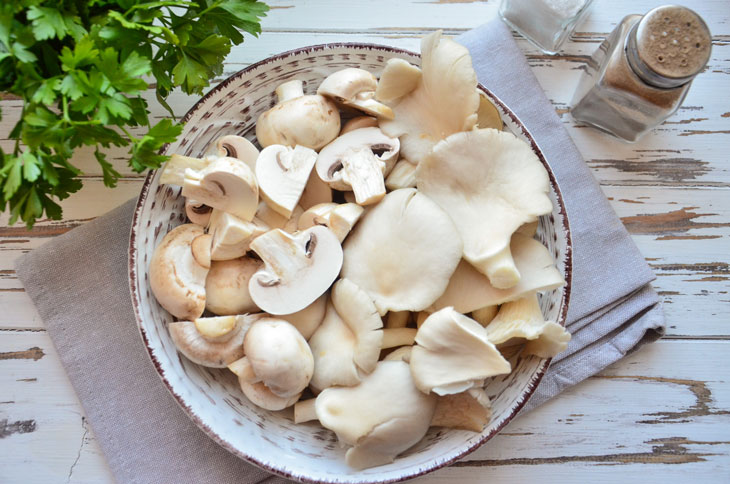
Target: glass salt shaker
<point>545,23</point>
<point>641,73</point>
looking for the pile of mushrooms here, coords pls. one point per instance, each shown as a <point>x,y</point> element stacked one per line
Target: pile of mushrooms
<point>370,273</point>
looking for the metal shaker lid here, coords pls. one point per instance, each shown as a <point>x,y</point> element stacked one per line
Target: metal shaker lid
<point>669,46</point>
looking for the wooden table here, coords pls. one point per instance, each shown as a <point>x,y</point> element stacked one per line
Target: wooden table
<point>661,413</point>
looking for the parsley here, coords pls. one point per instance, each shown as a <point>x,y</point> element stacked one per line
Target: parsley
<point>80,67</point>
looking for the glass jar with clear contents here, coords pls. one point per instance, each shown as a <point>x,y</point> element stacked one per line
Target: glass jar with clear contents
<point>545,23</point>
<point>641,73</point>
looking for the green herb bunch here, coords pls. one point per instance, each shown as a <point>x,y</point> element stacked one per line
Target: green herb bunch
<point>80,67</point>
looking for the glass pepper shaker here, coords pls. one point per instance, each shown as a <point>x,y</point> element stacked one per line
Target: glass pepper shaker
<point>545,23</point>
<point>641,73</point>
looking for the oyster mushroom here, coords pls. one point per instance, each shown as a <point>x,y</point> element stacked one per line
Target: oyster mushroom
<point>298,268</point>
<point>227,184</point>
<point>282,174</point>
<point>226,286</point>
<point>348,342</point>
<point>398,79</point>
<point>219,344</point>
<point>237,147</point>
<point>402,252</point>
<point>490,183</point>
<point>380,418</point>
<point>308,319</point>
<point>298,119</point>
<point>453,354</point>
<point>469,410</point>
<point>357,161</point>
<point>403,175</point>
<point>177,279</point>
<point>353,87</point>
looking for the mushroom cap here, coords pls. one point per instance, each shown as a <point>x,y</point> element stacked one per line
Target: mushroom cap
<point>198,213</point>
<point>268,217</point>
<point>333,349</point>
<point>279,356</point>
<point>317,191</point>
<point>398,79</point>
<point>490,183</point>
<point>260,395</point>
<point>354,87</point>
<point>308,120</point>
<point>453,354</point>
<point>298,268</point>
<point>402,252</point>
<point>177,280</point>
<point>226,286</point>
<point>282,174</point>
<point>198,349</point>
<point>308,319</point>
<point>381,417</point>
<point>359,122</point>
<point>237,147</point>
<point>469,410</point>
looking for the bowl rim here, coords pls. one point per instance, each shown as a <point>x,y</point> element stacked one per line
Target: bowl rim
<point>428,468</point>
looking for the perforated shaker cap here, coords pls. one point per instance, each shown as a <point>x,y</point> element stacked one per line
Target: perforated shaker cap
<point>669,46</point>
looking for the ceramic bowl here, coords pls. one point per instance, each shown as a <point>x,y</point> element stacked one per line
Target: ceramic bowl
<point>212,397</point>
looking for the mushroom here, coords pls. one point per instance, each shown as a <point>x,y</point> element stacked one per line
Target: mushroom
<point>348,342</point>
<point>490,183</point>
<point>397,319</point>
<point>200,247</point>
<point>177,279</point>
<point>227,184</point>
<point>298,268</point>
<point>173,171</point>
<point>488,114</point>
<point>529,229</point>
<point>231,235</point>
<point>469,410</point>
<point>402,252</point>
<point>380,418</point>
<point>317,191</point>
<point>226,286</point>
<point>220,343</point>
<point>339,218</point>
<point>267,217</point>
<point>403,175</point>
<point>198,213</point>
<point>398,79</point>
<point>359,122</point>
<point>308,319</point>
<point>400,354</point>
<point>444,101</point>
<point>453,354</point>
<point>357,161</point>
<point>394,337</point>
<point>311,121</point>
<point>237,147</point>
<point>469,289</point>
<point>353,87</point>
<point>485,315</point>
<point>282,174</point>
<point>523,319</point>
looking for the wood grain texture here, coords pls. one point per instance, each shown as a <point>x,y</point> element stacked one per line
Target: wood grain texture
<point>662,413</point>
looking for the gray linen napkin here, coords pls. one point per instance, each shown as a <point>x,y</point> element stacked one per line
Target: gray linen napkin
<point>147,438</point>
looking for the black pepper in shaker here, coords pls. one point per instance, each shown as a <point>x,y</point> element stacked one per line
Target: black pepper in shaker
<point>641,73</point>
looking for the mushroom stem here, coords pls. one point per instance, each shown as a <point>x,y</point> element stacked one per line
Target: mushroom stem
<point>304,411</point>
<point>397,319</point>
<point>243,370</point>
<point>393,337</point>
<point>500,268</point>
<point>363,171</point>
<point>290,90</point>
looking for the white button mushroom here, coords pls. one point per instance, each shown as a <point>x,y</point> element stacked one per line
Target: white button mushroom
<point>227,184</point>
<point>381,417</point>
<point>231,235</point>
<point>453,354</point>
<point>198,213</point>
<point>221,344</point>
<point>282,174</point>
<point>298,119</point>
<point>402,252</point>
<point>173,171</point>
<point>359,122</point>
<point>355,88</point>
<point>298,268</point>
<point>177,279</point>
<point>340,218</point>
<point>237,147</point>
<point>226,286</point>
<point>267,217</point>
<point>490,183</point>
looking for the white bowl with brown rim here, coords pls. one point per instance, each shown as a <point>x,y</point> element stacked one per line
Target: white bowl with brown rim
<point>212,397</point>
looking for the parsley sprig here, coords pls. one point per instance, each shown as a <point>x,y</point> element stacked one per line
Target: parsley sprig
<point>81,67</point>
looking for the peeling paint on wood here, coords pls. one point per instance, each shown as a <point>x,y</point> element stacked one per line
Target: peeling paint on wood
<point>17,427</point>
<point>34,354</point>
<point>670,222</point>
<point>680,169</point>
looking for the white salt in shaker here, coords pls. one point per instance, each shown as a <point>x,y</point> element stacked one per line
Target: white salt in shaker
<point>545,23</point>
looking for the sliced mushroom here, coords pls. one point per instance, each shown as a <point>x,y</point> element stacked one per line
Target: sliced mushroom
<point>267,217</point>
<point>216,352</point>
<point>501,185</point>
<point>353,87</point>
<point>402,252</point>
<point>339,218</point>
<point>453,354</point>
<point>177,280</point>
<point>227,184</point>
<point>350,163</point>
<point>201,249</point>
<point>282,174</point>
<point>402,176</point>
<point>381,417</point>
<point>226,286</point>
<point>522,319</point>
<point>298,119</point>
<point>237,147</point>
<point>173,171</point>
<point>359,122</point>
<point>231,235</point>
<point>198,213</point>
<point>469,410</point>
<point>298,268</point>
<point>317,191</point>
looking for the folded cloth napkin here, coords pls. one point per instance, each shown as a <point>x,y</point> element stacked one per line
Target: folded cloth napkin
<point>146,437</point>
